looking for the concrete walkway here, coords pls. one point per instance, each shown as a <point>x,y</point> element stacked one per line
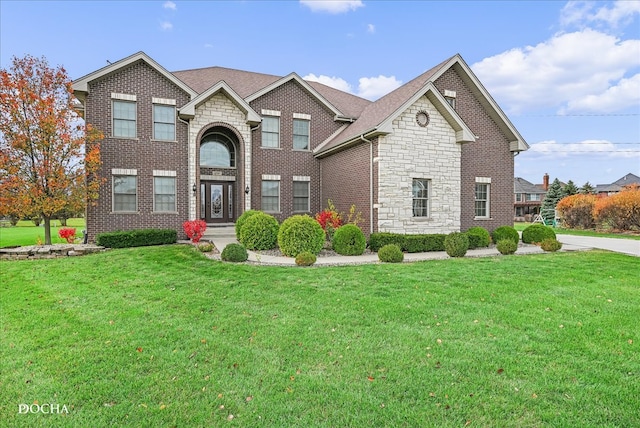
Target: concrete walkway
<point>222,236</point>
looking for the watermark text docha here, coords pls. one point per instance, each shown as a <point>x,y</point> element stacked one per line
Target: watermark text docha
<point>46,409</point>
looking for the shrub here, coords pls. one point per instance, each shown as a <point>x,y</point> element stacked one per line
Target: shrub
<point>329,217</point>
<point>537,233</point>
<point>505,232</point>
<point>300,233</point>
<point>205,247</point>
<point>194,229</point>
<point>137,238</point>
<point>456,244</point>
<point>259,232</point>
<point>67,233</point>
<point>478,237</point>
<point>349,240</point>
<point>378,240</point>
<point>305,258</point>
<point>620,211</point>
<point>413,243</point>
<point>576,211</point>
<point>390,253</point>
<point>234,253</point>
<point>506,246</point>
<point>242,219</point>
<point>550,244</point>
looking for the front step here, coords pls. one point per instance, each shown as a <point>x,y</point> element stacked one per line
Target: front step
<point>220,231</point>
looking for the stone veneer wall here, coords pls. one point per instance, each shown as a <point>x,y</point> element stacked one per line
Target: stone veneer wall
<point>219,109</point>
<point>416,152</point>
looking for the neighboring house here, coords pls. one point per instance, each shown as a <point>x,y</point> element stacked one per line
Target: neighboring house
<point>617,186</point>
<point>528,197</point>
<point>433,156</point>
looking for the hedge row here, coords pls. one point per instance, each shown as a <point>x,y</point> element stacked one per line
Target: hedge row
<point>408,243</point>
<point>137,238</point>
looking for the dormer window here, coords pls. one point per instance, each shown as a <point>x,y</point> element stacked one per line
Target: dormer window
<point>450,97</point>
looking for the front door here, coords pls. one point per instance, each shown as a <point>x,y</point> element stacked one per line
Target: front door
<point>216,201</point>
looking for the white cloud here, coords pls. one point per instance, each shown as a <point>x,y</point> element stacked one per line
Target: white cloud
<point>334,82</point>
<point>585,12</point>
<point>373,88</point>
<point>601,148</point>
<point>565,68</point>
<point>166,25</point>
<point>169,5</point>
<point>626,93</point>
<point>371,28</point>
<point>332,6</point>
<point>208,45</point>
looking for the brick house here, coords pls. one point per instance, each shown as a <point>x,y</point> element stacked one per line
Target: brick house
<point>617,186</point>
<point>433,156</point>
<point>528,197</point>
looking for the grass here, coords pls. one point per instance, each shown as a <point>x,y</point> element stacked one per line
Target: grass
<point>577,232</point>
<point>25,233</point>
<point>162,336</point>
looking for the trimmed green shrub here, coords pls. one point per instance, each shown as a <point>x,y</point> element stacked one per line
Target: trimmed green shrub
<point>413,243</point>
<point>205,247</point>
<point>456,244</point>
<point>305,258</point>
<point>505,232</point>
<point>537,233</point>
<point>390,253</point>
<point>550,244</point>
<point>478,237</point>
<point>378,240</point>
<point>300,233</point>
<point>241,220</point>
<point>234,253</point>
<point>348,240</point>
<point>259,232</point>
<point>137,238</point>
<point>507,246</point>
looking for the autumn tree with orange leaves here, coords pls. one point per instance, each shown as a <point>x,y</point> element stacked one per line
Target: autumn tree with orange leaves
<point>49,156</point>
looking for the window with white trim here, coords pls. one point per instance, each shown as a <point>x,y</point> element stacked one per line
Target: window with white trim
<point>124,119</point>
<point>125,193</point>
<point>164,122</point>
<point>270,196</point>
<point>271,132</point>
<point>164,194</point>
<point>301,196</point>
<point>300,134</point>
<point>482,200</point>
<point>420,193</point>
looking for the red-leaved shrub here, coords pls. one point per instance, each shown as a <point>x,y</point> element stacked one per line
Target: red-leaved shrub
<point>194,229</point>
<point>67,233</point>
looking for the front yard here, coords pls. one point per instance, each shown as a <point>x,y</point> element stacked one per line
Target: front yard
<point>162,336</point>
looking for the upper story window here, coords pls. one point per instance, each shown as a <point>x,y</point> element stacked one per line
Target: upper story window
<point>164,121</point>
<point>124,119</point>
<point>420,194</point>
<point>300,134</point>
<point>217,150</point>
<point>519,197</point>
<point>450,96</point>
<point>271,131</point>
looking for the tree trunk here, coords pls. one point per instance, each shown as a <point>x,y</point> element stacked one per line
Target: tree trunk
<point>47,230</point>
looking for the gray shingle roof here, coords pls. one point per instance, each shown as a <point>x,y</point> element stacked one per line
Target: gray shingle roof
<point>520,185</point>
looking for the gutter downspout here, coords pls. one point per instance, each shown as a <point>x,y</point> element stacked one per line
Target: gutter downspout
<point>370,182</point>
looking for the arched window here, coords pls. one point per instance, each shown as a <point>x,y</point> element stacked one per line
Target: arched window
<point>217,150</point>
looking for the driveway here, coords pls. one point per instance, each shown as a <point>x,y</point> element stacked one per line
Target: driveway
<point>619,245</point>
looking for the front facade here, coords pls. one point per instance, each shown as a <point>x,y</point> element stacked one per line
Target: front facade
<point>433,156</point>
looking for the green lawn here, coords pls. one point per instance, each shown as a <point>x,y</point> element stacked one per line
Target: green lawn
<point>25,233</point>
<point>162,336</point>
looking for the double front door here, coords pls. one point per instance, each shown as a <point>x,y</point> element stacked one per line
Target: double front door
<point>216,201</point>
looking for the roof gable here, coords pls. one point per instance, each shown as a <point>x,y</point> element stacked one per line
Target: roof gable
<point>81,85</point>
<point>188,110</point>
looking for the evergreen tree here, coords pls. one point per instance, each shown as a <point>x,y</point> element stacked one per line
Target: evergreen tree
<point>570,188</point>
<point>587,188</point>
<point>551,199</point>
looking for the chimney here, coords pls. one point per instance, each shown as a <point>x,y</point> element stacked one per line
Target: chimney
<point>545,182</point>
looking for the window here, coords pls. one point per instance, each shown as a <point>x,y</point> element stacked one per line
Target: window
<point>164,194</point>
<point>124,119</point>
<point>271,196</point>
<point>217,150</point>
<point>125,193</point>
<point>164,122</point>
<point>301,196</point>
<point>271,132</point>
<point>300,134</point>
<point>519,197</point>
<point>451,101</point>
<point>482,200</point>
<point>420,190</point>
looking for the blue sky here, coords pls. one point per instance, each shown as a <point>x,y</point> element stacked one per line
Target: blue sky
<point>566,73</point>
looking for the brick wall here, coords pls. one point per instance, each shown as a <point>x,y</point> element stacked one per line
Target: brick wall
<point>488,157</point>
<point>142,153</point>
